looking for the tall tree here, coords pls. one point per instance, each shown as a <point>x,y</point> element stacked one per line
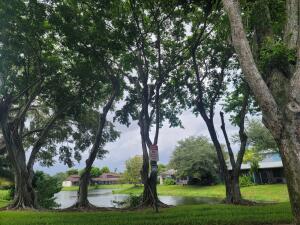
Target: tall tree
<point>30,68</point>
<point>100,47</point>
<point>196,158</point>
<point>154,53</point>
<point>209,62</point>
<point>238,103</point>
<point>39,88</point>
<point>275,85</point>
<point>132,173</point>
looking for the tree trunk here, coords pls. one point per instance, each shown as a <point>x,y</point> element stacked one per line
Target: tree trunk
<point>82,200</point>
<point>25,196</point>
<point>150,197</point>
<point>290,154</point>
<point>233,193</point>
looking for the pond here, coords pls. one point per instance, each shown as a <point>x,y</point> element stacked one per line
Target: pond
<point>106,198</point>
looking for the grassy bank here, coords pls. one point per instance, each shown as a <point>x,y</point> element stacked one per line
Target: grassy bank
<point>269,193</point>
<point>182,215</point>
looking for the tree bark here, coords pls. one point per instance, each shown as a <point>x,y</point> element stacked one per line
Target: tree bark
<point>283,121</point>
<point>25,196</point>
<point>82,200</point>
<point>233,191</point>
<point>289,146</point>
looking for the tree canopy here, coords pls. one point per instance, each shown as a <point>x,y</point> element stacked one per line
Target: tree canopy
<point>196,158</point>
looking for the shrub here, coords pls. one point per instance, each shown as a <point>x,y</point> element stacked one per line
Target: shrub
<point>246,181</point>
<point>169,181</point>
<point>5,195</point>
<point>131,201</point>
<point>46,186</point>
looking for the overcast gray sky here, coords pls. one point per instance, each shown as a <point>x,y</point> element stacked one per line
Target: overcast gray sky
<point>129,144</point>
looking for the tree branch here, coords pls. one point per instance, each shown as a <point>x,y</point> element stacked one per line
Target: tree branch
<point>21,114</point>
<point>230,152</point>
<point>44,133</point>
<point>291,33</point>
<point>37,130</point>
<point>257,84</point>
<point>242,134</point>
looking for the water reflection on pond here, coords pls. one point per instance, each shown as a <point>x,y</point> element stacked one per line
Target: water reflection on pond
<point>105,198</point>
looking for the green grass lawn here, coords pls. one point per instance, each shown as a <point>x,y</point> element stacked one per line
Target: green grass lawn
<point>203,214</point>
<point>268,193</point>
<point>3,203</point>
<point>218,214</point>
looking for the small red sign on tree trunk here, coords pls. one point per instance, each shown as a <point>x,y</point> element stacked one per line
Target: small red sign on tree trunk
<point>154,153</point>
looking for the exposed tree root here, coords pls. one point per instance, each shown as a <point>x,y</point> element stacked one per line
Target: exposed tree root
<point>148,204</point>
<point>87,207</point>
<point>19,204</point>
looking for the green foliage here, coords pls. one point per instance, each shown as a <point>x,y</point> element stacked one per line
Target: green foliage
<point>95,172</point>
<point>46,186</point>
<point>131,201</point>
<point>72,172</point>
<point>132,174</point>
<point>104,169</point>
<point>259,137</point>
<point>275,54</point>
<point>161,168</point>
<point>60,177</point>
<point>253,157</point>
<point>196,157</point>
<point>153,55</point>
<point>246,181</point>
<point>5,195</point>
<point>169,181</point>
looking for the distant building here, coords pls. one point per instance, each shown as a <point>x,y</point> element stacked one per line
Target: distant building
<point>172,175</point>
<point>270,169</point>
<point>72,180</point>
<point>105,178</point>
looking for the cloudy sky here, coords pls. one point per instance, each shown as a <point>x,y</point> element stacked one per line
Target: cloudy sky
<point>129,144</point>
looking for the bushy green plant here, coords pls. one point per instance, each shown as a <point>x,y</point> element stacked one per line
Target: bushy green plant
<point>246,181</point>
<point>131,201</point>
<point>5,195</point>
<point>276,54</point>
<point>169,181</point>
<point>46,186</point>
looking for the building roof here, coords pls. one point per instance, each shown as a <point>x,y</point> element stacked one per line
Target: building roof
<point>110,175</point>
<point>270,160</point>
<point>262,165</point>
<point>73,178</point>
<point>106,179</point>
<point>103,177</point>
